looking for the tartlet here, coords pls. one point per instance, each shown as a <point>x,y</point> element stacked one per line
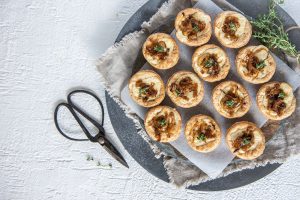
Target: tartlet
<point>232,29</point>
<point>163,123</point>
<point>211,63</point>
<point>193,27</point>
<point>161,51</point>
<point>245,140</point>
<point>255,64</point>
<point>276,100</point>
<point>231,99</point>
<point>146,88</point>
<point>185,89</point>
<point>202,133</point>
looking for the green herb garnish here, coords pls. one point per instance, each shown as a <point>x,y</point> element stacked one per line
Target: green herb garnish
<point>246,140</point>
<point>269,30</point>
<point>98,163</point>
<point>162,122</point>
<point>201,137</point>
<point>159,48</point>
<point>196,27</point>
<point>178,92</point>
<point>143,90</point>
<point>281,95</point>
<point>89,157</point>
<point>209,63</point>
<point>104,166</point>
<point>230,103</point>
<point>260,65</point>
<point>232,26</point>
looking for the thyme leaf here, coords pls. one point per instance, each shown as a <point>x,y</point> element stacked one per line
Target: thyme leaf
<point>159,48</point>
<point>195,27</point>
<point>230,103</point>
<point>246,140</point>
<point>281,95</point>
<point>209,63</point>
<point>260,65</point>
<point>143,90</point>
<point>232,26</point>
<point>178,92</point>
<point>89,157</point>
<point>201,137</point>
<point>163,122</point>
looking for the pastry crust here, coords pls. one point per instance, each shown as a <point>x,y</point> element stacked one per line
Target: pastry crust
<point>202,133</point>
<point>255,64</point>
<point>211,63</point>
<point>276,100</point>
<point>146,88</point>
<point>185,89</point>
<point>231,99</point>
<point>245,140</point>
<point>232,29</point>
<point>161,51</point>
<point>193,27</point>
<point>163,123</point>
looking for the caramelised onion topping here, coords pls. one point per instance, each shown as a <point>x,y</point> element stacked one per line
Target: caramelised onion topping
<point>275,96</point>
<point>253,64</point>
<point>203,131</point>
<point>190,27</point>
<point>230,26</point>
<point>245,141</point>
<point>146,91</point>
<point>231,100</point>
<point>210,65</point>
<point>164,123</point>
<point>158,49</point>
<point>184,87</point>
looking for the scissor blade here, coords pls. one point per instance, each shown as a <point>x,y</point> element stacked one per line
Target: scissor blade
<point>112,151</point>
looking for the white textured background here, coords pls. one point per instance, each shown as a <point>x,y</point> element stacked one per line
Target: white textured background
<point>48,47</point>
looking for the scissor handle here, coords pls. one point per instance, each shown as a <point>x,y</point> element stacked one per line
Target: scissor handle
<point>71,106</point>
<point>56,121</point>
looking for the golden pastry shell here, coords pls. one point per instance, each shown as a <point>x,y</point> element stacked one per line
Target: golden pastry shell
<point>145,73</point>
<point>249,155</point>
<point>171,59</point>
<point>207,31</point>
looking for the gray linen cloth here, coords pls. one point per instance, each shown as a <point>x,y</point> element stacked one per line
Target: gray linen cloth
<point>115,67</point>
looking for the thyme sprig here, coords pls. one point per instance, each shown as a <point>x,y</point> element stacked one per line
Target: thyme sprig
<point>269,30</point>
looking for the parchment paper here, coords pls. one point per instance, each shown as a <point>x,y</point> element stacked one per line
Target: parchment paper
<point>212,163</point>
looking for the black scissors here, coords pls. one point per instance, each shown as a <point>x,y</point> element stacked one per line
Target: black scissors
<point>100,136</point>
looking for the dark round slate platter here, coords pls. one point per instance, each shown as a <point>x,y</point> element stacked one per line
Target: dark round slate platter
<point>140,150</point>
